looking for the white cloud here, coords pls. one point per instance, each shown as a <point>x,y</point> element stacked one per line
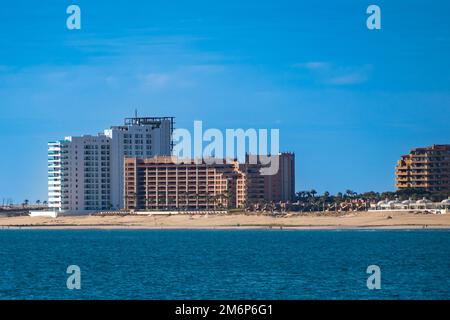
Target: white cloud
<point>331,74</point>
<point>313,65</point>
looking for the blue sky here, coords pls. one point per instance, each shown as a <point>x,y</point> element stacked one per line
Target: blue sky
<point>348,101</point>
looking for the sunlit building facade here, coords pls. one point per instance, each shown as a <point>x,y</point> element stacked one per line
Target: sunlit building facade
<point>425,168</point>
<point>160,183</point>
<point>85,173</point>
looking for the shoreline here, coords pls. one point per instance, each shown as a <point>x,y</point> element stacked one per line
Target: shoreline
<point>227,228</point>
<point>348,221</point>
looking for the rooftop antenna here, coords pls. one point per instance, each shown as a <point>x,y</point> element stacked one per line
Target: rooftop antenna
<point>135,113</point>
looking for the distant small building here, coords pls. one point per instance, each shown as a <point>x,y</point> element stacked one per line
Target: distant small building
<point>423,205</point>
<point>49,214</point>
<point>425,168</point>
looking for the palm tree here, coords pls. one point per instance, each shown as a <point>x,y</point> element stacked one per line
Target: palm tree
<point>207,200</point>
<point>349,193</point>
<point>216,201</point>
<point>226,197</point>
<point>161,202</point>
<point>170,202</point>
<point>197,197</point>
<point>210,197</point>
<point>148,203</point>
<point>185,195</point>
<point>308,195</point>
<point>134,198</point>
<point>271,207</point>
<point>300,195</point>
<point>324,199</point>
<point>222,199</point>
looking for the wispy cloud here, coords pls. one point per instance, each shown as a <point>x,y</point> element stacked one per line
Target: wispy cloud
<point>137,43</point>
<point>142,62</point>
<point>156,80</point>
<point>313,65</point>
<point>331,74</point>
<point>353,77</point>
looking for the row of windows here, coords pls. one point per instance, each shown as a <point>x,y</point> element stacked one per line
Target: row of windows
<point>103,181</point>
<point>431,152</point>
<point>95,169</point>
<point>137,141</point>
<point>96,192</point>
<point>137,136</point>
<point>96,158</point>
<point>96,198</point>
<point>92,147</point>
<point>137,147</point>
<point>432,159</point>
<point>96,175</point>
<point>95,152</point>
<point>94,185</point>
<point>138,153</point>
<point>93,164</point>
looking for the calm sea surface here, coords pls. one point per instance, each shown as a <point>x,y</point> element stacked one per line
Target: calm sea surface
<point>247,264</point>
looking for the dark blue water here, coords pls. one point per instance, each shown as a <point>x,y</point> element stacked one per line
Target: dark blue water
<point>203,264</point>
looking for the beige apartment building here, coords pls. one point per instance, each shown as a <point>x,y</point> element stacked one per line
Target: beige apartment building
<point>161,184</point>
<point>281,186</point>
<point>425,168</point>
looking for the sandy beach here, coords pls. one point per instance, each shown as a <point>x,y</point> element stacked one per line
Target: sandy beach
<point>236,221</point>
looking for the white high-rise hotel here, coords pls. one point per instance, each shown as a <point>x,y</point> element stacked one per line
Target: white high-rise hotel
<point>86,173</point>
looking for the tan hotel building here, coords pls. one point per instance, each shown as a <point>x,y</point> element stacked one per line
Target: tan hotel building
<point>425,168</point>
<point>160,184</point>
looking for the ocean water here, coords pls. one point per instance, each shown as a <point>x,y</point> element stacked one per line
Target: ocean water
<point>226,264</point>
